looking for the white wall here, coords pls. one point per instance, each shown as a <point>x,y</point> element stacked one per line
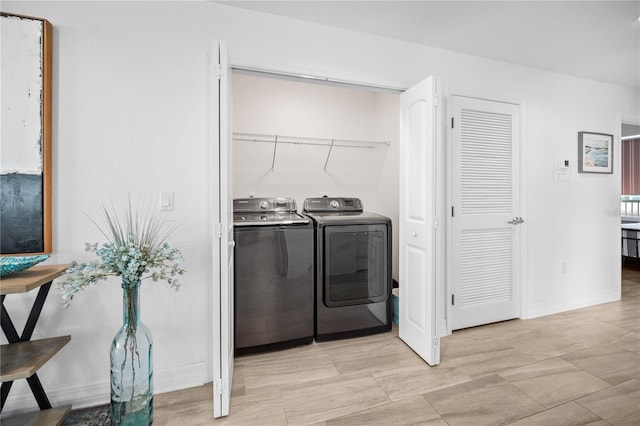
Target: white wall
<point>129,116</point>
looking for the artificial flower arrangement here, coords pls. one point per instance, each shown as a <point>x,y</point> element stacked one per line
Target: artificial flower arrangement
<point>135,250</point>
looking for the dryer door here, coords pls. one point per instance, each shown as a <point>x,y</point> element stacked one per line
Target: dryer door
<point>356,265</point>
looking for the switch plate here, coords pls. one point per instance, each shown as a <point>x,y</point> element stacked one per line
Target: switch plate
<point>166,201</point>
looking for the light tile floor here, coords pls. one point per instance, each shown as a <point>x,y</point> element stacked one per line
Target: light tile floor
<point>576,368</point>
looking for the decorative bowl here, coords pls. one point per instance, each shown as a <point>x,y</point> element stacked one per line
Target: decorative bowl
<point>11,264</point>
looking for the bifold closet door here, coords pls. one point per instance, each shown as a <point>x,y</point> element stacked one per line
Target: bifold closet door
<point>418,233</point>
<point>221,207</point>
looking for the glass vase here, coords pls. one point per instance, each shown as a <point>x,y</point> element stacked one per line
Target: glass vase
<point>131,365</point>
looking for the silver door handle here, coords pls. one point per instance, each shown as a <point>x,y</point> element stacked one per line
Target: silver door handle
<point>516,220</point>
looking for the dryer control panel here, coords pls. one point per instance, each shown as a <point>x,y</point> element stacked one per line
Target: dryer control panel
<point>332,204</point>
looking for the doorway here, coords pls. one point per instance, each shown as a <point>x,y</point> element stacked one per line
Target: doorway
<point>630,171</point>
<point>630,197</point>
<point>281,107</point>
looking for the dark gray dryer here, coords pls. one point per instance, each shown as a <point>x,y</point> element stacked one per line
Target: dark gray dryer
<point>274,273</point>
<point>353,268</point>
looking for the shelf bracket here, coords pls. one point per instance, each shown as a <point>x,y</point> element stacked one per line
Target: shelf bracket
<point>275,146</point>
<point>328,155</point>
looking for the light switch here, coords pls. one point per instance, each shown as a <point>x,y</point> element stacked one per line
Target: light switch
<point>166,201</point>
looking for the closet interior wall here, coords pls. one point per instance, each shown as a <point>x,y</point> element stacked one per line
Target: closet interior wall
<point>317,113</point>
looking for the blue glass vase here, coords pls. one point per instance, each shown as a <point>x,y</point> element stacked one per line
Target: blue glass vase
<point>131,365</point>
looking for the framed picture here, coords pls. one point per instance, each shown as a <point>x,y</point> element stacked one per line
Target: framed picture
<point>25,151</point>
<point>595,152</point>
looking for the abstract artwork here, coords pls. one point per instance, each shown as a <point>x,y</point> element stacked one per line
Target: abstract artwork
<point>25,148</point>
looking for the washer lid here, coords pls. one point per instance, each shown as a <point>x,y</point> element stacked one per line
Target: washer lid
<point>348,218</point>
<point>268,219</point>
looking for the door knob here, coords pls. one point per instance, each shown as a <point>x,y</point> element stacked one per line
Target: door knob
<point>516,220</point>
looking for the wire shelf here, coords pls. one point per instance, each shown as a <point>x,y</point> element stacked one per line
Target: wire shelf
<point>303,140</point>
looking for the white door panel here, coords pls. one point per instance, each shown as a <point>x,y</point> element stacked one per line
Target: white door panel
<point>418,166</point>
<point>485,196</point>
<point>415,267</point>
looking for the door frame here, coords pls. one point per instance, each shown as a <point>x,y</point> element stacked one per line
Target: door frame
<point>494,97</point>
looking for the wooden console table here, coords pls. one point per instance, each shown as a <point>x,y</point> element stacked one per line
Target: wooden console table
<point>22,357</point>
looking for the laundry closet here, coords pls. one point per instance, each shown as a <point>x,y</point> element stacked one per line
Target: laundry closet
<point>325,151</point>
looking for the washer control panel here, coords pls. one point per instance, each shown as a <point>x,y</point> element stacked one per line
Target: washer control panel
<point>241,205</point>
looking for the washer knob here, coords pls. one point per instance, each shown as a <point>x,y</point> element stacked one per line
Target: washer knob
<point>264,205</point>
<point>334,204</point>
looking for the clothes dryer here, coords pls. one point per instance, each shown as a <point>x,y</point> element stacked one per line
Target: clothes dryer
<point>353,268</point>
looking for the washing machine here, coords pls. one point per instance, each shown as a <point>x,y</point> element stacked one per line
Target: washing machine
<point>273,275</point>
<point>353,268</point>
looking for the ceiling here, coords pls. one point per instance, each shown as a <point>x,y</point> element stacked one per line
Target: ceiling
<point>597,40</point>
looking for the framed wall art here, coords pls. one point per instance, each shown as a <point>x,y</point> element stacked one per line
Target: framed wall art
<point>25,148</point>
<point>595,152</point>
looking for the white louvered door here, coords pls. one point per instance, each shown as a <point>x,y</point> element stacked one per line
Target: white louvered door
<point>485,202</point>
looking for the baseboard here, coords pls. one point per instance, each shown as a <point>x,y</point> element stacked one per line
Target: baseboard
<point>551,307</point>
<point>82,395</point>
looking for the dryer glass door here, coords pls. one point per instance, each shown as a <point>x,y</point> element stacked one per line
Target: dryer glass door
<point>355,265</point>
